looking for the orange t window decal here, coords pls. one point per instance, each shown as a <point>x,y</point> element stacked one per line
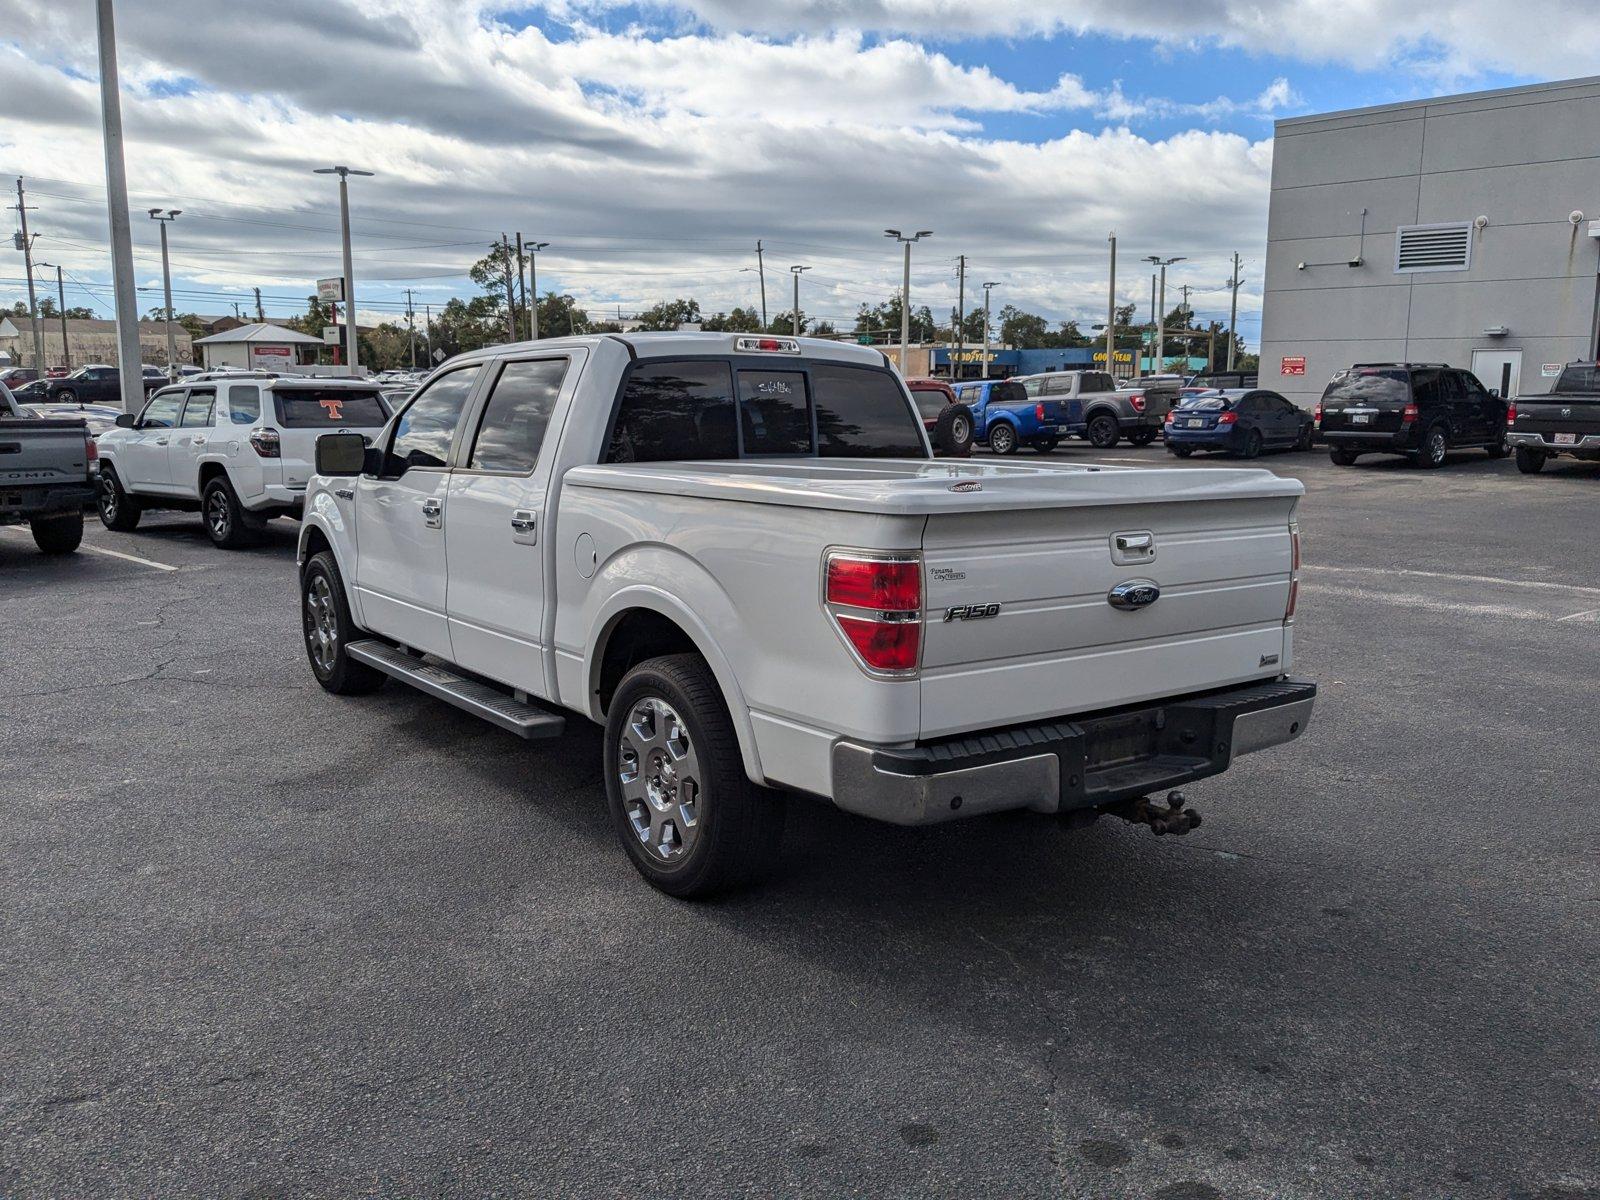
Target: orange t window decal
<point>334,407</point>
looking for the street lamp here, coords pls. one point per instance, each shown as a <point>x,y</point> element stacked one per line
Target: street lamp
<point>905,291</point>
<point>1161,306</point>
<point>795,271</point>
<point>61,306</point>
<point>165,217</point>
<point>344,174</point>
<point>987,288</point>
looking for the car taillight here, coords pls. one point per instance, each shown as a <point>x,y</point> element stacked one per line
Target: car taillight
<point>1294,574</point>
<point>1137,402</point>
<point>1038,412</point>
<point>1316,413</point>
<point>1171,412</point>
<point>266,443</point>
<point>91,448</point>
<point>1408,413</point>
<point>876,604</point>
<point>1227,418</point>
<point>1511,412</point>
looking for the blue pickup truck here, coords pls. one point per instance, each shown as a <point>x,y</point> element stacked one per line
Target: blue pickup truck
<point>1005,417</point>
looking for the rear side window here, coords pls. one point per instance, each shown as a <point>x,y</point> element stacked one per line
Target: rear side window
<point>675,412</point>
<point>328,408</point>
<point>863,414</point>
<point>773,412</point>
<point>423,433</point>
<point>244,403</point>
<point>514,420</point>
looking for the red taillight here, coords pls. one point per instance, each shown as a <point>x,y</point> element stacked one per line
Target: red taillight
<point>1511,412</point>
<point>1137,402</point>
<point>1316,413</point>
<point>1294,574</point>
<point>266,443</point>
<point>91,448</point>
<point>883,596</point>
<point>1227,418</point>
<point>1171,412</point>
<point>1408,413</point>
<point>1038,413</point>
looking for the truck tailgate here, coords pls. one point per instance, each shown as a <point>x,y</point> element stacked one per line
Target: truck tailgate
<point>1057,646</point>
<point>42,452</point>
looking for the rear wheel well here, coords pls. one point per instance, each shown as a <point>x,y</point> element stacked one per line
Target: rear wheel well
<point>639,635</point>
<point>209,471</point>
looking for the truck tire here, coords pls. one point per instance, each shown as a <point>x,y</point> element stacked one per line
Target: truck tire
<point>1104,430</point>
<point>1530,461</point>
<point>226,523</point>
<point>1343,458</point>
<point>1498,449</point>
<point>59,534</point>
<point>64,396</point>
<point>1181,451</point>
<point>328,629</point>
<point>118,510</point>
<point>1142,437</point>
<point>952,435</point>
<point>1045,445</point>
<point>1002,438</point>
<point>689,818</point>
<point>1435,445</point>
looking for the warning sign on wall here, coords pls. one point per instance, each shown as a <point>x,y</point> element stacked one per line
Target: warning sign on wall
<point>1293,366</point>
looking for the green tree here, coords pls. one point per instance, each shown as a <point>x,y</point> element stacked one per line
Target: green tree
<point>559,315</point>
<point>883,321</point>
<point>740,320</point>
<point>670,314</point>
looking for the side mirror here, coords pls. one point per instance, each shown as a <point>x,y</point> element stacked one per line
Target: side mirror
<point>126,421</point>
<point>372,461</point>
<point>1495,392</point>
<point>341,454</point>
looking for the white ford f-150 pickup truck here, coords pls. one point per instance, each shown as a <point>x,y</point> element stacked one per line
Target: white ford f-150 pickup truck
<point>739,555</point>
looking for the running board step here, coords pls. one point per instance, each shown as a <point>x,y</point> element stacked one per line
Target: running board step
<point>479,699</point>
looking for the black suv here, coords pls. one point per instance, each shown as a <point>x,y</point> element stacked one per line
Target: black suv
<point>1420,410</point>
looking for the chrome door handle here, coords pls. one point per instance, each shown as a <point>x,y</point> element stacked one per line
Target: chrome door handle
<point>199,441</point>
<point>433,512</point>
<point>161,441</point>
<point>524,521</point>
<point>345,493</point>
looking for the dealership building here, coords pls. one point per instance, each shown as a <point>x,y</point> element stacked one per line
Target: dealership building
<point>1463,230</point>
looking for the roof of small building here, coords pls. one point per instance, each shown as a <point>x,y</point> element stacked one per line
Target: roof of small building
<point>257,332</point>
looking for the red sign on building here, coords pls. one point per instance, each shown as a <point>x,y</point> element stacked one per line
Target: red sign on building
<point>1294,366</point>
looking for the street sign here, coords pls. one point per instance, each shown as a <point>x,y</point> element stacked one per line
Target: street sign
<point>438,356</point>
<point>332,335</point>
<point>331,291</point>
<point>1295,365</point>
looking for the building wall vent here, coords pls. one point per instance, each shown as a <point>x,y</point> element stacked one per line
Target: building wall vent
<point>1443,247</point>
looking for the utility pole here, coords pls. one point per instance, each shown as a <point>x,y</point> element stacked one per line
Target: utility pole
<point>61,312</point>
<point>165,218</point>
<point>1111,313</point>
<point>1161,309</point>
<point>427,326</point>
<point>522,282</point>
<point>344,173</point>
<point>261,313</point>
<point>533,270</point>
<point>761,270</point>
<point>1233,310</point>
<point>511,307</point>
<point>26,244</point>
<point>1186,289</point>
<point>795,271</point>
<point>961,311</point>
<point>1153,319</point>
<point>411,328</point>
<point>905,291</point>
<point>986,290</point>
<point>130,380</point>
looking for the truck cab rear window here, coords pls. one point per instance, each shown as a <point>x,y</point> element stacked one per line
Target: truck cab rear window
<point>329,408</point>
<point>675,412</point>
<point>863,414</point>
<point>1578,379</point>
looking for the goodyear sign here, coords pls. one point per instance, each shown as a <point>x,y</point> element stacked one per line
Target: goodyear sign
<point>1122,356</point>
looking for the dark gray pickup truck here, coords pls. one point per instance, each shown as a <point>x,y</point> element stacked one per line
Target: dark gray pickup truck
<point>1564,420</point>
<point>48,472</point>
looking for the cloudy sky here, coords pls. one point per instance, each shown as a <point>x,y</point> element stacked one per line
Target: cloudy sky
<point>652,145</point>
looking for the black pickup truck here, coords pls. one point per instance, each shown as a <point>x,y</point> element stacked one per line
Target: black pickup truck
<point>48,472</point>
<point>1564,420</point>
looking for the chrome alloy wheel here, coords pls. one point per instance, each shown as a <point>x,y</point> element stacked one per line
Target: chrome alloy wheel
<point>660,775</point>
<point>108,498</point>
<point>217,514</point>
<point>322,624</point>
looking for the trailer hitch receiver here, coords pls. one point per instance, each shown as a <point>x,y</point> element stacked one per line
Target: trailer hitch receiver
<point>1174,818</point>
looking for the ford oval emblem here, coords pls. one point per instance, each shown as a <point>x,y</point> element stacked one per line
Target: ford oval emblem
<point>970,485</point>
<point>1135,593</point>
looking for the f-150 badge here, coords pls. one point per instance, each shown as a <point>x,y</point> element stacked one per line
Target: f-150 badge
<point>972,612</point>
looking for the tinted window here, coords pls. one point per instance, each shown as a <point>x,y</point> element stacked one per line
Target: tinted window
<point>332,408</point>
<point>773,412</point>
<point>1426,387</point>
<point>514,421</point>
<point>244,403</point>
<point>424,431</point>
<point>197,412</point>
<point>1578,378</point>
<point>1032,387</point>
<point>1060,386</point>
<point>162,412</point>
<point>930,402</point>
<point>1008,393</point>
<point>1369,385</point>
<point>675,412</point>
<point>863,414</point>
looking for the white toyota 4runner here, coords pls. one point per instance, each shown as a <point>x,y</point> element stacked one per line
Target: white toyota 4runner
<point>239,450</point>
<point>739,555</point>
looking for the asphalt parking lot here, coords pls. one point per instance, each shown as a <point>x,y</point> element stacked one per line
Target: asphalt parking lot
<point>260,941</point>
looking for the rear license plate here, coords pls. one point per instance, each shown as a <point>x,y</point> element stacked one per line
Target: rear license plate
<point>1566,439</point>
<point>1361,418</point>
<point>1194,424</point>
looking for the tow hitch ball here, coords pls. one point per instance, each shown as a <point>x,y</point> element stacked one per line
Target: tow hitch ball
<point>1174,818</point>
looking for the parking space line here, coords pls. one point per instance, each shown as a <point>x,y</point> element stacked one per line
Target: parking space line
<point>1388,572</point>
<point>133,558</point>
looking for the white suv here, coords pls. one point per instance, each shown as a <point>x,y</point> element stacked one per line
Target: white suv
<point>238,450</point>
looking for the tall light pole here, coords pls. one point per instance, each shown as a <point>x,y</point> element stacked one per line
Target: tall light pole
<point>905,290</point>
<point>1161,307</point>
<point>795,271</point>
<point>25,244</point>
<point>533,249</point>
<point>129,377</point>
<point>344,174</point>
<point>166,217</point>
<point>987,288</point>
<point>761,270</point>
<point>1111,313</point>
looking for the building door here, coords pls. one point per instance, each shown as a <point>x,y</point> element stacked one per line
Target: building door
<point>1499,370</point>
